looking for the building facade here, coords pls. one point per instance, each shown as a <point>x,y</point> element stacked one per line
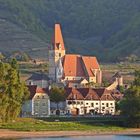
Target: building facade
<point>87,101</point>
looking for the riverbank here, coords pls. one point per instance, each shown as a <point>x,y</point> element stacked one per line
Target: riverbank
<point>29,127</point>
<point>5,133</point>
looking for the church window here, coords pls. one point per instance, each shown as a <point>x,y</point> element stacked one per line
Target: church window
<point>59,54</point>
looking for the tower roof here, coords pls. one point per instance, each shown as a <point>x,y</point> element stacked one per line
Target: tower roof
<point>58,38</point>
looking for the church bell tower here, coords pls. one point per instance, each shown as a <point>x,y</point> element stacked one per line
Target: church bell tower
<point>56,52</point>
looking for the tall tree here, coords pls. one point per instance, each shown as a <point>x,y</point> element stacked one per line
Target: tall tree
<point>130,105</point>
<point>12,91</point>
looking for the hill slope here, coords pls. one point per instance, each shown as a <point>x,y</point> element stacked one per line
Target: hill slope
<point>106,28</point>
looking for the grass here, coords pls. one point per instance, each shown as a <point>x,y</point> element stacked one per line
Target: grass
<point>28,124</point>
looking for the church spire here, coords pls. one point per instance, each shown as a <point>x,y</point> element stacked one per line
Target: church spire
<point>58,42</point>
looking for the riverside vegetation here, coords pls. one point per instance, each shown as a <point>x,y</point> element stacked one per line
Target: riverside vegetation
<point>13,91</point>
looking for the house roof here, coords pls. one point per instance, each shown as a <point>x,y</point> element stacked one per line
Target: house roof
<point>33,89</point>
<point>88,94</point>
<point>38,76</point>
<point>72,65</point>
<point>58,38</point>
<point>40,90</point>
<point>82,66</point>
<point>104,94</point>
<point>90,64</point>
<point>72,93</point>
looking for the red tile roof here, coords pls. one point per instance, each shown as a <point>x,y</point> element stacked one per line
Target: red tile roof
<point>88,94</point>
<point>33,89</point>
<point>104,94</point>
<point>40,90</point>
<point>73,66</point>
<point>73,94</point>
<point>58,38</point>
<point>80,66</point>
<point>90,63</point>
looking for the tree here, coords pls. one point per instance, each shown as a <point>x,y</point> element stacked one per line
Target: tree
<point>13,91</point>
<point>57,95</point>
<point>130,105</point>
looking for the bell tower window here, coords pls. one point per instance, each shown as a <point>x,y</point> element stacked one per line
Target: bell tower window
<point>59,54</point>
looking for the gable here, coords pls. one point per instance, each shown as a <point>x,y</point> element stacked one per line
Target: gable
<point>90,64</point>
<point>75,95</point>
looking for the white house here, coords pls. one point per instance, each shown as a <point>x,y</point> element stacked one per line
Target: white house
<point>38,104</point>
<point>85,101</point>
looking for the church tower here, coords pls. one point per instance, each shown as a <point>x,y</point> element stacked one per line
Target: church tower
<point>56,52</point>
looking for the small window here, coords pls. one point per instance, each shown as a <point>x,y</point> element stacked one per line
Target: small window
<point>78,102</point>
<point>96,103</point>
<point>37,97</point>
<point>111,104</point>
<point>106,104</point>
<point>103,107</point>
<point>102,103</point>
<point>43,97</point>
<point>92,104</point>
<point>81,103</point>
<point>86,103</point>
<point>69,102</point>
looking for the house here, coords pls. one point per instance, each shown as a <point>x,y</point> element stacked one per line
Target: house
<point>39,79</point>
<point>38,104</point>
<point>82,101</point>
<point>66,68</point>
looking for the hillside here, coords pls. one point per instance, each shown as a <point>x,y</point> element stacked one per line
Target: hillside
<point>106,28</point>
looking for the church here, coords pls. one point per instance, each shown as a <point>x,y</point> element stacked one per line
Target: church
<point>71,69</point>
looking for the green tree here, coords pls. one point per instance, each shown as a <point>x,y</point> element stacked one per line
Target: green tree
<point>130,105</point>
<point>57,95</point>
<point>13,91</point>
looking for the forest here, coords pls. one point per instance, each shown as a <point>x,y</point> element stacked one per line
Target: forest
<point>89,28</point>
